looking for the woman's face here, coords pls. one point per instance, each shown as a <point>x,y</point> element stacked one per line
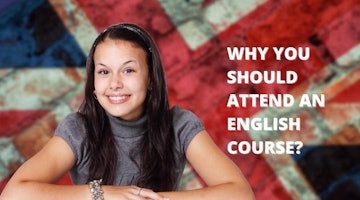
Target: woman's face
<point>121,78</point>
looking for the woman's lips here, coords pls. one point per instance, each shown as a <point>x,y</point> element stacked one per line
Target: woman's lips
<point>118,99</point>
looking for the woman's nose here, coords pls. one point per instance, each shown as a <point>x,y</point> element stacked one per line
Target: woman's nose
<point>116,83</point>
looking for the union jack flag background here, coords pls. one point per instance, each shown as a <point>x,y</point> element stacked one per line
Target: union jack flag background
<point>44,44</point>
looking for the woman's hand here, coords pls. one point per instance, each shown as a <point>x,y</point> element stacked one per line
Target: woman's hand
<point>130,193</point>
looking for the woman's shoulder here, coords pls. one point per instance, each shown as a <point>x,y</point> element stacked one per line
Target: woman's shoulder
<point>73,116</point>
<point>186,125</point>
<point>72,119</point>
<point>72,123</point>
<point>73,131</point>
<point>180,113</point>
<point>183,118</point>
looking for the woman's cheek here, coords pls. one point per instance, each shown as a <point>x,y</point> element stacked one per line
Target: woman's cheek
<point>100,85</point>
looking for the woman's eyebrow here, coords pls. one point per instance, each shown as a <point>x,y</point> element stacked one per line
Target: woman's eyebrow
<point>101,64</point>
<point>127,62</point>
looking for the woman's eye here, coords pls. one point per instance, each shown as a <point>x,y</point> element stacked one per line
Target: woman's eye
<point>128,71</point>
<point>103,71</point>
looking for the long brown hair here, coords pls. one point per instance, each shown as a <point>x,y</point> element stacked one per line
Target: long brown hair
<point>157,146</point>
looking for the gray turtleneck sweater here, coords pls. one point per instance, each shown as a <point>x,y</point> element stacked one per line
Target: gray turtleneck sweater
<point>127,135</point>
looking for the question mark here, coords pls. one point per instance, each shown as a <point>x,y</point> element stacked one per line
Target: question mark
<point>298,145</point>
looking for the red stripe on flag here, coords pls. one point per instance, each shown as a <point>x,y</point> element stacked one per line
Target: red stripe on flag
<point>13,121</point>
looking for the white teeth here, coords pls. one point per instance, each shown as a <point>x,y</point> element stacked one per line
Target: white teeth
<point>117,98</point>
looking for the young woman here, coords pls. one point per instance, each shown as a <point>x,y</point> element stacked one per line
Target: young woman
<point>125,143</point>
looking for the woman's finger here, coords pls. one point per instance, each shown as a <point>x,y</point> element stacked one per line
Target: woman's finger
<point>148,194</point>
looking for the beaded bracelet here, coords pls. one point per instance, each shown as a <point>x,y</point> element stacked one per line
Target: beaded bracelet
<point>95,189</point>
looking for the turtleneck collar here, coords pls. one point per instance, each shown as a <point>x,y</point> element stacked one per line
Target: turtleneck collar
<point>127,129</point>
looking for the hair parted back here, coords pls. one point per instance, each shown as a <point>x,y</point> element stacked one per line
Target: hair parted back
<point>157,147</point>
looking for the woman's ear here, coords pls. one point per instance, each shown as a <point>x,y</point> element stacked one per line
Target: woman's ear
<point>94,94</point>
<point>149,85</point>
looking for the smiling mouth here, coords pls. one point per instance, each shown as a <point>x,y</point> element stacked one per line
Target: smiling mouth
<point>119,99</point>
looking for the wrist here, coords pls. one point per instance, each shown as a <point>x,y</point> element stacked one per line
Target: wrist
<point>96,190</point>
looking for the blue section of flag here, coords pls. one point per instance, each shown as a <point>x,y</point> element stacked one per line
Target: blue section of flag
<point>331,169</point>
<point>32,35</point>
<point>4,4</point>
